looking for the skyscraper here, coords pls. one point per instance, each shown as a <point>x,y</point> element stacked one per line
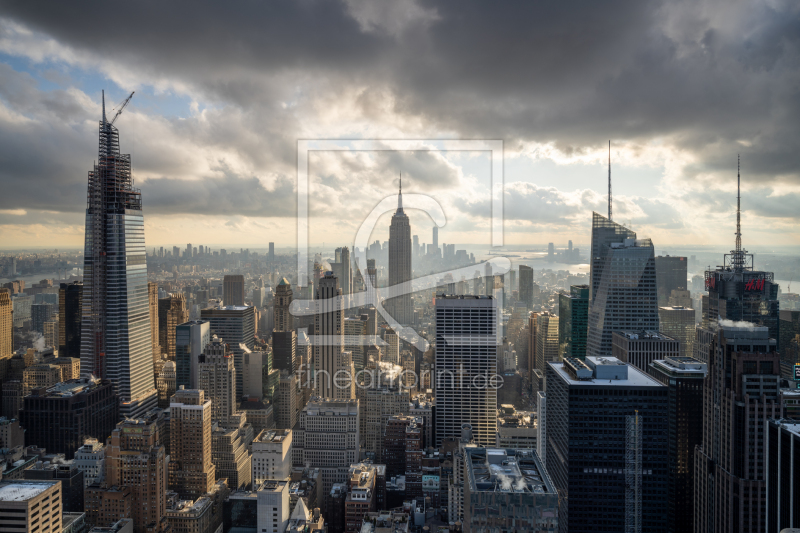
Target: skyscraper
<point>236,325</point>
<point>6,325</point>
<point>607,445</point>
<point>738,292</point>
<point>217,378</point>
<point>155,338</point>
<point>329,354</point>
<point>191,339</point>
<point>271,256</point>
<point>546,340</point>
<point>400,307</point>
<point>684,378</point>
<point>573,322</point>
<point>284,321</point>
<point>678,322</point>
<point>526,285</point>
<point>191,473</point>
<point>466,358</point>
<point>233,289</point>
<point>623,283</point>
<point>171,312</point>
<point>115,322</point>
<point>671,276</point>
<point>740,393</point>
<point>346,277</point>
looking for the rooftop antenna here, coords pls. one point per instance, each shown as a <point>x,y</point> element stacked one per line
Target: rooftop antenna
<point>738,205</point>
<point>609,179</point>
<point>400,195</point>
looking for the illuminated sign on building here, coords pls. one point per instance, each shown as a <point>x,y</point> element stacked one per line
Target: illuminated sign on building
<point>754,285</point>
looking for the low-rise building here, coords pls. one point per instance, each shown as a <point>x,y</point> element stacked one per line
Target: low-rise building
<point>34,505</point>
<point>272,455</point>
<point>516,430</point>
<point>91,459</point>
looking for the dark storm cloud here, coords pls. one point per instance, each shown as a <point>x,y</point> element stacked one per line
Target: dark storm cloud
<point>224,196</point>
<point>704,75</point>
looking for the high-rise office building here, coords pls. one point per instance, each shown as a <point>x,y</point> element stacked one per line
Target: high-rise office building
<point>272,455</point>
<point>327,437</point>
<point>236,325</point>
<point>740,393</point>
<point>738,292</point>
<point>789,341</point>
<point>191,339</point>
<point>678,323</point>
<point>171,313</point>
<point>115,322</point>
<point>684,378</point>
<point>377,405</point>
<point>217,378</point>
<point>155,338</point>
<point>59,419</point>
<point>271,253</point>
<point>284,321</point>
<point>607,436</point>
<point>41,313</point>
<point>392,351</point>
<point>640,348</point>
<point>346,277</point>
<point>435,240</point>
<point>466,358</point>
<point>233,289</point>
<point>526,285</point>
<point>573,321</point>
<point>230,455</point>
<point>285,401</point>
<point>136,459</point>
<point>284,351</point>
<point>623,284</point>
<point>355,331</point>
<point>671,275</point>
<point>91,460</point>
<point>783,474</point>
<point>191,472</point>
<point>166,384</point>
<point>6,325</point>
<point>400,306</point>
<point>546,340</point>
<point>329,354</point>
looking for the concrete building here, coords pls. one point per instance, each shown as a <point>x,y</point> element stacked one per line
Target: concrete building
<point>191,471</point>
<point>547,347</point>
<point>526,285</point>
<point>31,506</point>
<point>40,376</point>
<point>230,457</point>
<point>165,383</point>
<point>6,326</point>
<point>678,323</point>
<point>355,330</point>
<point>327,437</point>
<point>217,377</point>
<point>273,506</point>
<point>377,406</point>
<point>466,346</point>
<point>68,474</point>
<point>607,472</point>
<point>517,430</point>
<point>152,306</point>
<point>329,355</point>
<point>284,321</point>
<point>91,460</point>
<point>233,289</point>
<point>136,459</point>
<point>285,401</point>
<point>305,521</point>
<point>640,348</point>
<point>508,490</point>
<point>60,418</point>
<point>272,455</point>
<point>361,496</point>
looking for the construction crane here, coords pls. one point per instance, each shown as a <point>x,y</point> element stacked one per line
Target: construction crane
<point>121,107</point>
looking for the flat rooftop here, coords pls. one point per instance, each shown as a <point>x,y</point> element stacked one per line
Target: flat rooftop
<point>643,335</point>
<point>635,377</point>
<point>681,364</point>
<point>507,470</point>
<point>20,491</point>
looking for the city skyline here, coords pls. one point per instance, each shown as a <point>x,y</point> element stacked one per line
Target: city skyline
<point>216,161</point>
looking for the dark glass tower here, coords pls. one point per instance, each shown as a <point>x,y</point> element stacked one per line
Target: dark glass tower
<point>115,322</point>
<point>623,284</point>
<point>573,316</point>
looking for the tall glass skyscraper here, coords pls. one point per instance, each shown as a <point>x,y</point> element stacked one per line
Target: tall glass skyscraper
<point>573,313</point>
<point>115,321</point>
<point>623,282</point>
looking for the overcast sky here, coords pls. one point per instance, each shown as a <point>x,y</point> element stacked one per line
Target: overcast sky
<point>225,90</point>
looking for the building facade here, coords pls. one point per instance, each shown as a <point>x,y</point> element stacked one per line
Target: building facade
<point>191,471</point>
<point>573,317</point>
<point>400,305</point>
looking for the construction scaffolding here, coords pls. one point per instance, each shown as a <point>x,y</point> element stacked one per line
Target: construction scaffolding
<point>633,474</point>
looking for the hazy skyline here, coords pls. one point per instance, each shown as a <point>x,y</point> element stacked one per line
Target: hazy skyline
<point>223,94</point>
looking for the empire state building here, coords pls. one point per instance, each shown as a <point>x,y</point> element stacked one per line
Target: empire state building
<point>400,307</point>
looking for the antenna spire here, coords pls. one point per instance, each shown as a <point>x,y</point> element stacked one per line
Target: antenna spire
<point>738,205</point>
<point>400,195</point>
<point>609,179</point>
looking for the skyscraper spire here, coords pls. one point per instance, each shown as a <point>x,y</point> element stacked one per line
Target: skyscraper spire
<point>609,179</point>
<point>738,205</point>
<point>400,196</point>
